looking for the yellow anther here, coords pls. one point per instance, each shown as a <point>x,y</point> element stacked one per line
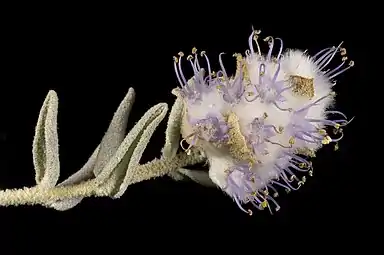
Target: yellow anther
<point>281,129</point>
<point>181,54</point>
<point>250,93</point>
<point>189,57</point>
<point>266,192</point>
<point>175,59</point>
<point>327,139</point>
<point>292,140</point>
<point>322,132</point>
<point>264,204</point>
<point>254,193</point>
<point>265,115</point>
<point>337,125</point>
<point>302,165</point>
<point>219,86</point>
<point>194,50</point>
<point>304,179</point>
<point>202,53</point>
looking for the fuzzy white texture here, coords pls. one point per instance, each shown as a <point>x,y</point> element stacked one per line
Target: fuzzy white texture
<point>293,63</point>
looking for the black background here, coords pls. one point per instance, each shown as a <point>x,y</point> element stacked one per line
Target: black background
<point>90,55</point>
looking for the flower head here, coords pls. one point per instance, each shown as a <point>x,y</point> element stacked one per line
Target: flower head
<point>259,127</point>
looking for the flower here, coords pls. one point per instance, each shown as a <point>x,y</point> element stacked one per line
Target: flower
<point>259,127</point>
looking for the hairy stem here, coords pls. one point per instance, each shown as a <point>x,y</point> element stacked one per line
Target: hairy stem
<point>41,195</point>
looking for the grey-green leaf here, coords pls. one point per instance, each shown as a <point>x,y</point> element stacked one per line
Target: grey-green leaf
<point>45,144</point>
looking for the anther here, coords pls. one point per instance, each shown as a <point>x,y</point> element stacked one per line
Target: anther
<point>194,50</point>
<point>310,173</point>
<point>292,140</point>
<point>202,53</point>
<point>190,57</point>
<point>343,51</point>
<point>264,204</point>
<point>322,132</point>
<point>181,54</point>
<point>250,212</point>
<point>175,59</point>
<point>336,147</point>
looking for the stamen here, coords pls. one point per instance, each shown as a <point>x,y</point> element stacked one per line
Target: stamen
<point>255,36</point>
<point>287,189</point>
<point>189,58</point>
<point>250,38</point>
<point>314,103</point>
<point>320,52</point>
<point>208,64</point>
<point>336,112</point>
<point>252,94</point>
<point>241,208</point>
<point>335,69</point>
<point>351,64</point>
<point>181,54</point>
<point>270,41</point>
<point>196,63</point>
<point>222,66</point>
<point>280,50</point>
<point>323,64</point>
<point>276,73</point>
<point>175,61</point>
<point>279,144</point>
<point>282,109</point>
<point>277,206</point>
<point>325,55</point>
<point>275,193</point>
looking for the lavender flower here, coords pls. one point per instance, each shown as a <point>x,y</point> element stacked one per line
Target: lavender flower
<point>259,128</point>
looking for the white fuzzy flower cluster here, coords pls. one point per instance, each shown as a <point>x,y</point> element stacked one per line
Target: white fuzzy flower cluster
<point>259,128</point>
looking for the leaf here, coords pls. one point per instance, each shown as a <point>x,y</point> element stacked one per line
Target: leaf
<point>129,154</point>
<point>45,144</point>
<point>85,173</point>
<point>115,133</point>
<point>172,135</point>
<point>200,177</point>
<point>103,153</point>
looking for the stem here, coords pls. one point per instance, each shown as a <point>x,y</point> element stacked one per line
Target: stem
<point>41,195</point>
